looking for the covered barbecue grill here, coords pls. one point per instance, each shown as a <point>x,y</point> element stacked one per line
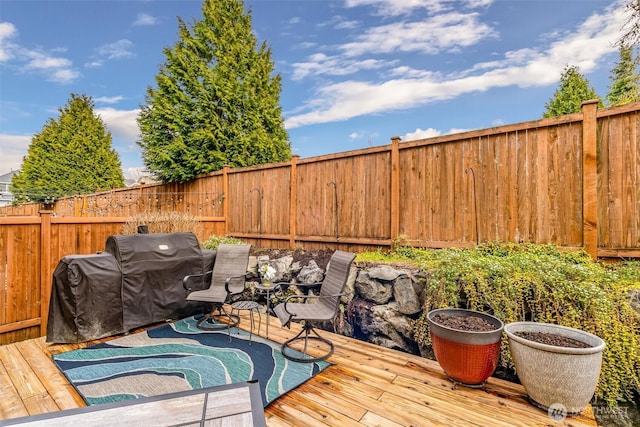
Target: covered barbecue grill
<point>135,282</point>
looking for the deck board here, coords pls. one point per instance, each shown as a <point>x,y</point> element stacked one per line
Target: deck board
<point>52,379</point>
<point>367,385</point>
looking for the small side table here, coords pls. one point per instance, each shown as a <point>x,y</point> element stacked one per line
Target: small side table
<point>252,307</point>
<point>268,290</point>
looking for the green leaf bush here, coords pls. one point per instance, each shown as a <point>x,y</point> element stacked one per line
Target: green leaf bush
<point>213,241</point>
<point>540,283</point>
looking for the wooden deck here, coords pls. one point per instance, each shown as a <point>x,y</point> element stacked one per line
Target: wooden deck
<point>367,385</point>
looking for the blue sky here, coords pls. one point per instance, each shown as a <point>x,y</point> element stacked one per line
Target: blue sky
<point>355,72</point>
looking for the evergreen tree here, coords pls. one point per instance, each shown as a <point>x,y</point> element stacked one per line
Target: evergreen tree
<point>574,89</point>
<point>625,86</point>
<point>216,101</point>
<point>71,155</point>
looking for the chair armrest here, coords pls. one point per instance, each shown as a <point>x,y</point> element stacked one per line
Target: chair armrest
<point>228,281</point>
<point>188,280</point>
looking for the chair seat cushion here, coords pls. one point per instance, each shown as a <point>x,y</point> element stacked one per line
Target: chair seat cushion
<point>312,312</point>
<point>213,294</point>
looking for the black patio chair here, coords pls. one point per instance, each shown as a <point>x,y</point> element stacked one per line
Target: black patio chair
<point>324,308</point>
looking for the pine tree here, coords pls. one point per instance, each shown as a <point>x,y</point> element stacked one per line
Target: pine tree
<point>71,155</point>
<point>216,101</point>
<point>625,86</point>
<point>574,89</point>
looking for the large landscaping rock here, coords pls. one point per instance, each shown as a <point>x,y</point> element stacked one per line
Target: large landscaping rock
<point>383,272</point>
<point>310,274</point>
<point>282,266</point>
<point>405,295</point>
<point>372,290</point>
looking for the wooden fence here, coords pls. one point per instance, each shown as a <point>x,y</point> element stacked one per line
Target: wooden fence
<point>572,181</point>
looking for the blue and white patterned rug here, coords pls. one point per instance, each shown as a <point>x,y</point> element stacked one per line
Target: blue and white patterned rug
<point>177,357</point>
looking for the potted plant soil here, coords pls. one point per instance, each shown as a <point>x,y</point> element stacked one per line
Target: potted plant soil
<point>466,343</point>
<point>556,365</point>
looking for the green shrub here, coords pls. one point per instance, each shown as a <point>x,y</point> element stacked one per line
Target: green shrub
<point>541,283</point>
<point>213,241</point>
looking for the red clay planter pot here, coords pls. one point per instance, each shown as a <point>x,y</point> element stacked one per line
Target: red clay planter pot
<point>467,357</point>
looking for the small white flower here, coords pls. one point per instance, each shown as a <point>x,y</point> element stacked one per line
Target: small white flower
<point>267,272</point>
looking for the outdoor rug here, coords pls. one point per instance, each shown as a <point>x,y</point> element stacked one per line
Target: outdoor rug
<point>177,357</point>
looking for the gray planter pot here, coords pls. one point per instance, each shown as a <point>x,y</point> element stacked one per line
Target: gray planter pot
<point>552,375</point>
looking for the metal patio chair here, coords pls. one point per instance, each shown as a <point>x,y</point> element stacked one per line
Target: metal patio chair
<point>324,308</point>
<point>227,282</point>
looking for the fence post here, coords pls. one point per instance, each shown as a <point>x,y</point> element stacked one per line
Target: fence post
<point>590,177</point>
<point>395,188</point>
<point>225,201</point>
<point>45,268</point>
<point>293,201</point>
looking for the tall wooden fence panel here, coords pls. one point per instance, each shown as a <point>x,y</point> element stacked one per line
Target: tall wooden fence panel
<point>519,185</point>
<point>20,294</point>
<point>259,204</point>
<point>345,199</point>
<point>619,181</point>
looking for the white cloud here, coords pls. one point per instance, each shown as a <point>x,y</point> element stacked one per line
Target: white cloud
<point>421,134</point>
<point>116,50</point>
<point>460,130</point>
<point>63,76</point>
<point>135,173</point>
<point>403,7</point>
<point>94,64</point>
<point>430,36</point>
<point>320,64</point>
<point>109,100</point>
<point>306,45</point>
<point>56,69</point>
<point>144,19</point>
<point>41,61</point>
<point>408,72</point>
<point>539,66</point>
<point>121,123</point>
<point>52,67</point>
<point>347,25</point>
<point>429,133</point>
<point>12,150</point>
<point>7,31</point>
<point>335,21</point>
<point>446,32</point>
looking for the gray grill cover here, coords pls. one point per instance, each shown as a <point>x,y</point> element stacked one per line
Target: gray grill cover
<point>136,282</point>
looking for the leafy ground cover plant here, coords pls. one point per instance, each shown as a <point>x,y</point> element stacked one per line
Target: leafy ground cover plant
<point>213,241</point>
<point>540,283</point>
